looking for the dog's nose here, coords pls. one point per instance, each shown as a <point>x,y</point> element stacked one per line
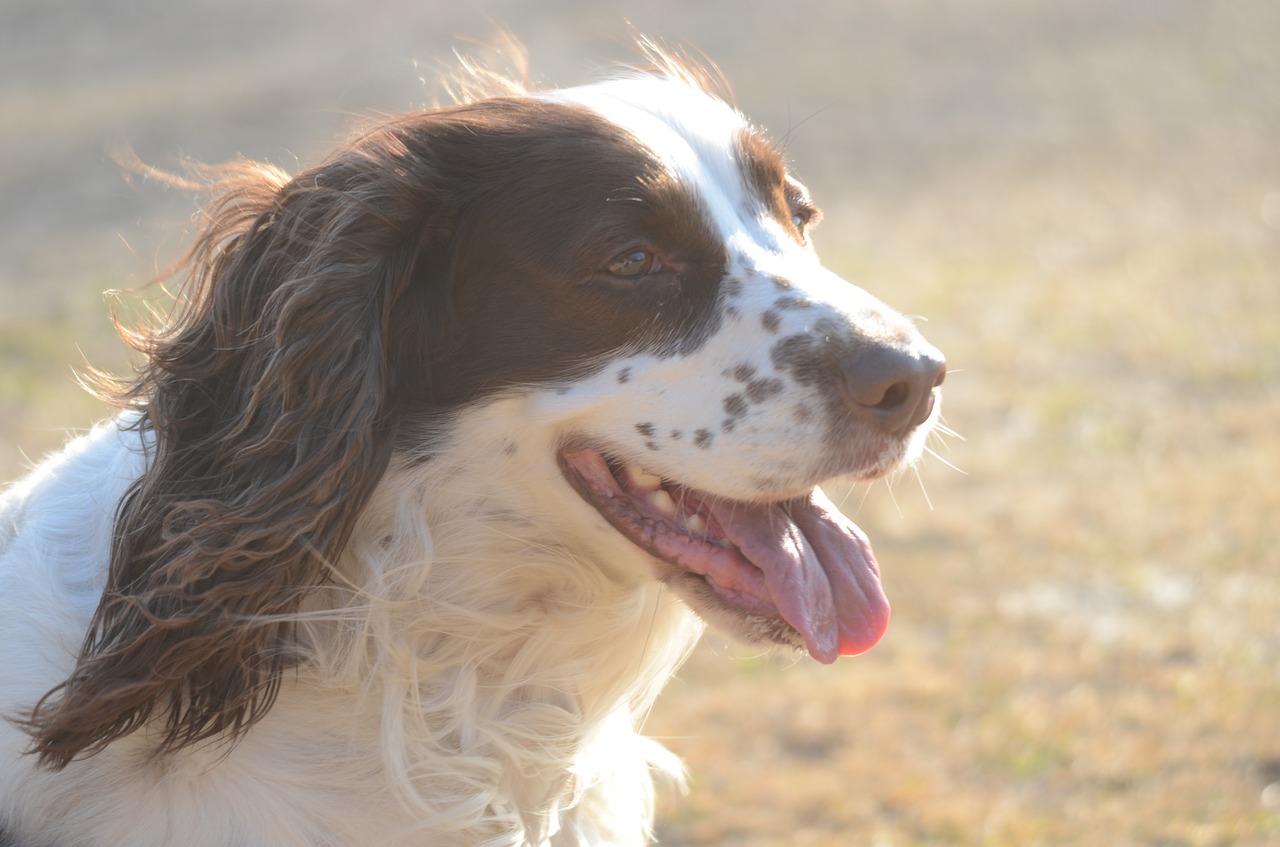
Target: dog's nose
<point>892,387</point>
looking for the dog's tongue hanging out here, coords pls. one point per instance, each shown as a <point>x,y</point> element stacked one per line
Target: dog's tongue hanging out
<point>819,571</point>
<point>798,560</point>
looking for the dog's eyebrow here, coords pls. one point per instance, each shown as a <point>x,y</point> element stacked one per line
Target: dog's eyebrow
<point>765,172</point>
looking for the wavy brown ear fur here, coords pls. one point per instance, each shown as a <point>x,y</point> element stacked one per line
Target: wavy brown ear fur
<point>272,400</point>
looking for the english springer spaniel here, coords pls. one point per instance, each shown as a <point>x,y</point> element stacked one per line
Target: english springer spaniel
<point>426,488</point>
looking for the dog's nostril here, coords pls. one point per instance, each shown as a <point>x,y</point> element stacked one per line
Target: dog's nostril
<point>895,395</point>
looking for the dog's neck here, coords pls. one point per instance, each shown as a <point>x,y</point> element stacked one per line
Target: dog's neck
<point>502,656</point>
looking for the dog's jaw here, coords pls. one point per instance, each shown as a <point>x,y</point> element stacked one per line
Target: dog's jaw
<point>795,572</point>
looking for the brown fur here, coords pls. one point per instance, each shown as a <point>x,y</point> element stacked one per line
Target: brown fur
<point>271,403</point>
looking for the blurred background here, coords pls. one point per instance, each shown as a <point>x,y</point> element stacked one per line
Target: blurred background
<point>1082,199</point>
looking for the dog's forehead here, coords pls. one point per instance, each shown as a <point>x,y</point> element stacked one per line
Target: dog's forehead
<point>704,143</point>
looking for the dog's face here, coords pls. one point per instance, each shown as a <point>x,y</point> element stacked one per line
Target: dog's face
<point>652,276</point>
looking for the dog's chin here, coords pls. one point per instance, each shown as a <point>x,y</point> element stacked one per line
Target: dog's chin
<point>792,572</point>
<point>731,620</point>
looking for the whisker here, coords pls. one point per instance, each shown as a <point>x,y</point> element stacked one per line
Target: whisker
<point>935,455</point>
<point>888,483</point>
<point>943,429</point>
<point>866,492</point>
<point>920,479</point>
<point>848,492</point>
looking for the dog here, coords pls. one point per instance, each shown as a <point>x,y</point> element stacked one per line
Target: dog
<point>425,489</point>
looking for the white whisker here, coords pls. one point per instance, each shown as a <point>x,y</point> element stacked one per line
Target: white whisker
<point>866,492</point>
<point>920,479</point>
<point>888,483</point>
<point>935,455</point>
<point>942,429</point>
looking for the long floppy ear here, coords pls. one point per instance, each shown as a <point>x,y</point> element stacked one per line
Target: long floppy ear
<point>272,399</point>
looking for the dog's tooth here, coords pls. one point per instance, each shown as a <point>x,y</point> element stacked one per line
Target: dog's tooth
<point>695,523</point>
<point>662,501</point>
<point>649,480</point>
<point>643,478</point>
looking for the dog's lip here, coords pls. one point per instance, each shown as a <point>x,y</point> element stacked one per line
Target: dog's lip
<point>797,560</point>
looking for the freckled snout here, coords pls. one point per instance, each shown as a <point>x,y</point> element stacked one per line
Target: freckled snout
<point>892,387</point>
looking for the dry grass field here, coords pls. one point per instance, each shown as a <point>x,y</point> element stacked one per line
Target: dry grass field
<point>1082,198</point>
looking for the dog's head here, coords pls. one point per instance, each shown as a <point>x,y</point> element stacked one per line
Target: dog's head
<point>633,251</point>
<point>754,375</point>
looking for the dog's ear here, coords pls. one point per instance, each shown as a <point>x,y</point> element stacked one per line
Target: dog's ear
<point>273,401</point>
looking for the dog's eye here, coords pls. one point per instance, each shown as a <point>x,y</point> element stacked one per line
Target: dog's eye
<point>634,264</point>
<point>804,217</point>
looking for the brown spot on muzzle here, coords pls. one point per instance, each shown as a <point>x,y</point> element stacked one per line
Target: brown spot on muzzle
<point>759,390</point>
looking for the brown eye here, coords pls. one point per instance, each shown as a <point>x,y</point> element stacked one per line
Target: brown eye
<point>634,264</point>
<point>804,215</point>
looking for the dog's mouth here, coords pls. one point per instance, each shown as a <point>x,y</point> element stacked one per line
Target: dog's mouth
<point>798,569</point>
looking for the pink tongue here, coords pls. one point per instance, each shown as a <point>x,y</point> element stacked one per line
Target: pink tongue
<point>818,569</point>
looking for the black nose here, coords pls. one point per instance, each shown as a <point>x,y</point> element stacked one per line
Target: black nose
<point>891,387</point>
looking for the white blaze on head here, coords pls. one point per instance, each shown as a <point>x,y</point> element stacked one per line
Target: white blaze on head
<point>693,134</point>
